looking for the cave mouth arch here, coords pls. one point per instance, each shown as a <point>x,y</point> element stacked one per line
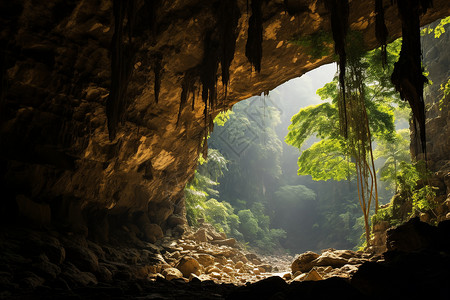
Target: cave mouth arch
<point>61,167</point>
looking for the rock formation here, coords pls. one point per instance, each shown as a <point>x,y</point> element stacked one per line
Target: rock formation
<point>105,104</point>
<point>104,110</point>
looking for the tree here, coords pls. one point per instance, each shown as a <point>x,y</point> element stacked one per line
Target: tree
<point>348,125</point>
<point>393,153</point>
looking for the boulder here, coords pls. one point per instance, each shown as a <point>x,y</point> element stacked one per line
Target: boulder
<point>411,236</point>
<point>188,265</point>
<point>313,275</point>
<point>205,260</point>
<point>172,273</point>
<point>330,259</point>
<point>304,262</point>
<point>200,235</point>
<point>82,257</point>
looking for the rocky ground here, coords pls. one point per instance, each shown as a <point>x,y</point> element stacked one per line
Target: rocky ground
<point>202,264</point>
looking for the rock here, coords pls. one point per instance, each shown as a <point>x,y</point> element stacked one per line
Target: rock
<point>82,257</point>
<point>175,220</point>
<point>304,261</point>
<point>215,275</point>
<point>200,235</point>
<point>239,265</point>
<point>159,213</point>
<point>75,277</point>
<point>37,213</point>
<point>212,269</point>
<point>188,265</point>
<point>205,260</point>
<point>172,273</point>
<point>411,236</point>
<point>265,267</point>
<point>228,242</point>
<point>31,280</point>
<point>330,259</point>
<point>313,275</point>
<point>263,289</point>
<point>104,274</point>
<point>46,269</point>
<point>228,269</point>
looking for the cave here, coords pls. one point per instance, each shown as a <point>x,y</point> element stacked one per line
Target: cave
<point>104,110</point>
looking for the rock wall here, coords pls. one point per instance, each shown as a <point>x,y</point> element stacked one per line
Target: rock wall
<point>98,121</point>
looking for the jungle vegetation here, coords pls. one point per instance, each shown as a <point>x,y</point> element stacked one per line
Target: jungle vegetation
<point>299,182</point>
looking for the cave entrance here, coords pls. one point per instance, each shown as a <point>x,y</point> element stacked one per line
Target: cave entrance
<point>278,176</point>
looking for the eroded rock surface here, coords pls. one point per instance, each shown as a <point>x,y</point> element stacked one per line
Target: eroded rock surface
<point>96,124</point>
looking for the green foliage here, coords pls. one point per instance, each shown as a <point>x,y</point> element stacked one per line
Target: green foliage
<point>292,194</point>
<point>222,117</point>
<point>393,153</point>
<point>326,160</point>
<point>445,88</point>
<point>438,30</point>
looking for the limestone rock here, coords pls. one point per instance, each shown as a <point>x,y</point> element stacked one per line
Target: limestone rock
<point>313,275</point>
<point>200,235</point>
<point>188,265</point>
<point>303,262</point>
<point>228,242</point>
<point>172,273</point>
<point>82,257</point>
<point>205,260</point>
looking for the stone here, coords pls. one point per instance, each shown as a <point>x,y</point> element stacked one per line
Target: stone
<point>265,268</point>
<point>200,235</point>
<point>228,269</point>
<point>75,277</point>
<point>304,261</point>
<point>31,280</point>
<point>330,259</point>
<point>172,273</point>
<point>313,275</point>
<point>213,269</point>
<point>188,265</point>
<point>46,269</point>
<point>82,257</point>
<point>205,260</point>
<point>228,242</point>
<point>37,213</point>
<point>411,236</point>
<point>175,220</point>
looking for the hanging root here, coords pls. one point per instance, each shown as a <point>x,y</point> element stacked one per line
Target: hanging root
<point>381,31</point>
<point>408,77</point>
<point>339,10</point>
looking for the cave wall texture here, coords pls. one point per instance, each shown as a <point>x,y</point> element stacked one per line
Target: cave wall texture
<point>104,105</point>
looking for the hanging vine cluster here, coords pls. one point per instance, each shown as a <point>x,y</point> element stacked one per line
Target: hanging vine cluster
<point>407,78</point>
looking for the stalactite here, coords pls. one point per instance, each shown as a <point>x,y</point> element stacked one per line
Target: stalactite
<point>157,69</point>
<point>253,48</point>
<point>228,20</point>
<point>2,77</point>
<point>339,11</point>
<point>131,18</point>
<point>381,31</point>
<point>219,47</point>
<point>187,88</point>
<point>408,77</point>
<point>209,67</point>
<point>121,63</point>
